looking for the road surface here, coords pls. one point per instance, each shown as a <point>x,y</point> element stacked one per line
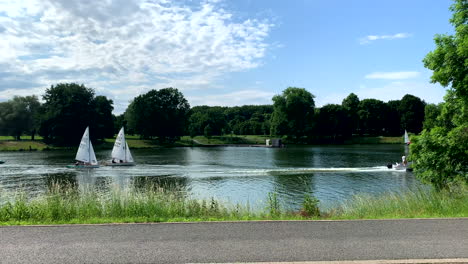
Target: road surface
<point>221,242</point>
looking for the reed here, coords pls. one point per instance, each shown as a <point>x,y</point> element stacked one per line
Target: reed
<point>419,203</point>
<point>69,204</point>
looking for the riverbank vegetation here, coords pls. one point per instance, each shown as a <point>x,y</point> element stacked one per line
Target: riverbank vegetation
<point>441,151</point>
<point>165,116</point>
<point>70,205</point>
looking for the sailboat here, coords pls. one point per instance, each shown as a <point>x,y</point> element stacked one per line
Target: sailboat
<point>407,141</point>
<point>404,165</point>
<point>121,155</point>
<point>85,156</point>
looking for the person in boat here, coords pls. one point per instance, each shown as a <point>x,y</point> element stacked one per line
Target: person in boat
<point>121,161</point>
<point>404,161</point>
<point>113,161</point>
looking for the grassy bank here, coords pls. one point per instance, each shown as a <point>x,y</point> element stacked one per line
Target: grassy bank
<point>23,145</point>
<point>68,204</point>
<point>134,142</point>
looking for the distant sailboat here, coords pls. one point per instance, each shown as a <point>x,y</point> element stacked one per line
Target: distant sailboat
<point>85,156</point>
<point>407,141</point>
<point>121,155</point>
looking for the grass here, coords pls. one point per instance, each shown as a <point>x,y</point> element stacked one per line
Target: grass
<point>69,205</point>
<point>375,140</point>
<point>7,143</point>
<point>409,204</point>
<point>22,145</point>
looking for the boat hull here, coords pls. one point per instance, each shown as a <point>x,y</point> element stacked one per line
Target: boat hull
<point>1,161</point>
<point>83,166</point>
<point>120,164</point>
<point>400,166</point>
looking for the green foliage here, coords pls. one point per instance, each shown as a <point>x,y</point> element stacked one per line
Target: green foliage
<point>412,113</point>
<point>351,107</point>
<point>20,115</point>
<point>393,119</point>
<point>68,109</point>
<point>332,120</point>
<point>448,60</point>
<point>69,204</point>
<point>431,113</point>
<point>273,204</point>
<point>208,131</point>
<point>420,203</point>
<point>441,155</point>
<point>310,206</point>
<point>158,113</point>
<point>103,118</point>
<point>293,112</point>
<point>372,114</point>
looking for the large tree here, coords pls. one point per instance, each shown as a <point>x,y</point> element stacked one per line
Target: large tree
<point>158,113</point>
<point>372,114</point>
<point>293,112</point>
<point>19,115</point>
<point>351,107</point>
<point>440,154</point>
<point>68,109</point>
<point>412,113</point>
<point>103,119</point>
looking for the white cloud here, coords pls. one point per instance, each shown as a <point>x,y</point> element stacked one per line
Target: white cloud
<point>393,75</point>
<point>370,38</point>
<point>118,44</point>
<point>244,97</point>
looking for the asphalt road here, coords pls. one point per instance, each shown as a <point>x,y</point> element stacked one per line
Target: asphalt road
<point>236,242</point>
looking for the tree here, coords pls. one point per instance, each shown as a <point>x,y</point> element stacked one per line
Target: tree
<point>68,109</point>
<point>372,114</point>
<point>351,107</point>
<point>332,121</point>
<point>103,119</point>
<point>431,113</point>
<point>412,113</point>
<point>293,112</point>
<point>158,113</point>
<point>440,155</point>
<point>20,115</point>
<point>393,119</point>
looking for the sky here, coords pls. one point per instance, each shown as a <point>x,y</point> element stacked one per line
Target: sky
<point>219,52</point>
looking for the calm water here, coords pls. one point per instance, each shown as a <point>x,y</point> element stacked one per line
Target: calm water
<point>232,174</point>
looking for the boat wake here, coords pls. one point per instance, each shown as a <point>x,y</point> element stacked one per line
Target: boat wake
<point>293,171</point>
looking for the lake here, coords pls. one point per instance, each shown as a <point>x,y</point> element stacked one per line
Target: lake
<point>230,174</point>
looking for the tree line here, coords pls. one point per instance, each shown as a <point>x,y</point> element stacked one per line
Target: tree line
<point>166,115</point>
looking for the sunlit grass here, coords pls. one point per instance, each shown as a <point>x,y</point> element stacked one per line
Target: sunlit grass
<point>22,145</point>
<point>375,140</point>
<point>409,204</point>
<point>69,204</point>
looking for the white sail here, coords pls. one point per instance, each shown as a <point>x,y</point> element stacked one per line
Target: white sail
<point>118,152</point>
<point>407,141</point>
<point>92,155</point>
<point>85,152</point>
<point>121,150</point>
<point>129,157</point>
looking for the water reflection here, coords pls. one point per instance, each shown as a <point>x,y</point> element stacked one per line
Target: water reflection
<point>233,174</point>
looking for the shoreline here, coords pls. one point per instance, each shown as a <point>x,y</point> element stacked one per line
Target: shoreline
<point>199,141</point>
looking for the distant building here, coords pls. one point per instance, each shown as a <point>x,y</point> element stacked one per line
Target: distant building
<point>275,143</point>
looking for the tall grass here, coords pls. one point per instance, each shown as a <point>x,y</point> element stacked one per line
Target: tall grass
<point>69,204</point>
<point>420,203</point>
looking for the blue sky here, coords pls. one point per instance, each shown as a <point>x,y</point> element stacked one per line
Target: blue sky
<point>222,52</point>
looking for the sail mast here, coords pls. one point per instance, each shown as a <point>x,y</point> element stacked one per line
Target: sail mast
<point>89,147</point>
